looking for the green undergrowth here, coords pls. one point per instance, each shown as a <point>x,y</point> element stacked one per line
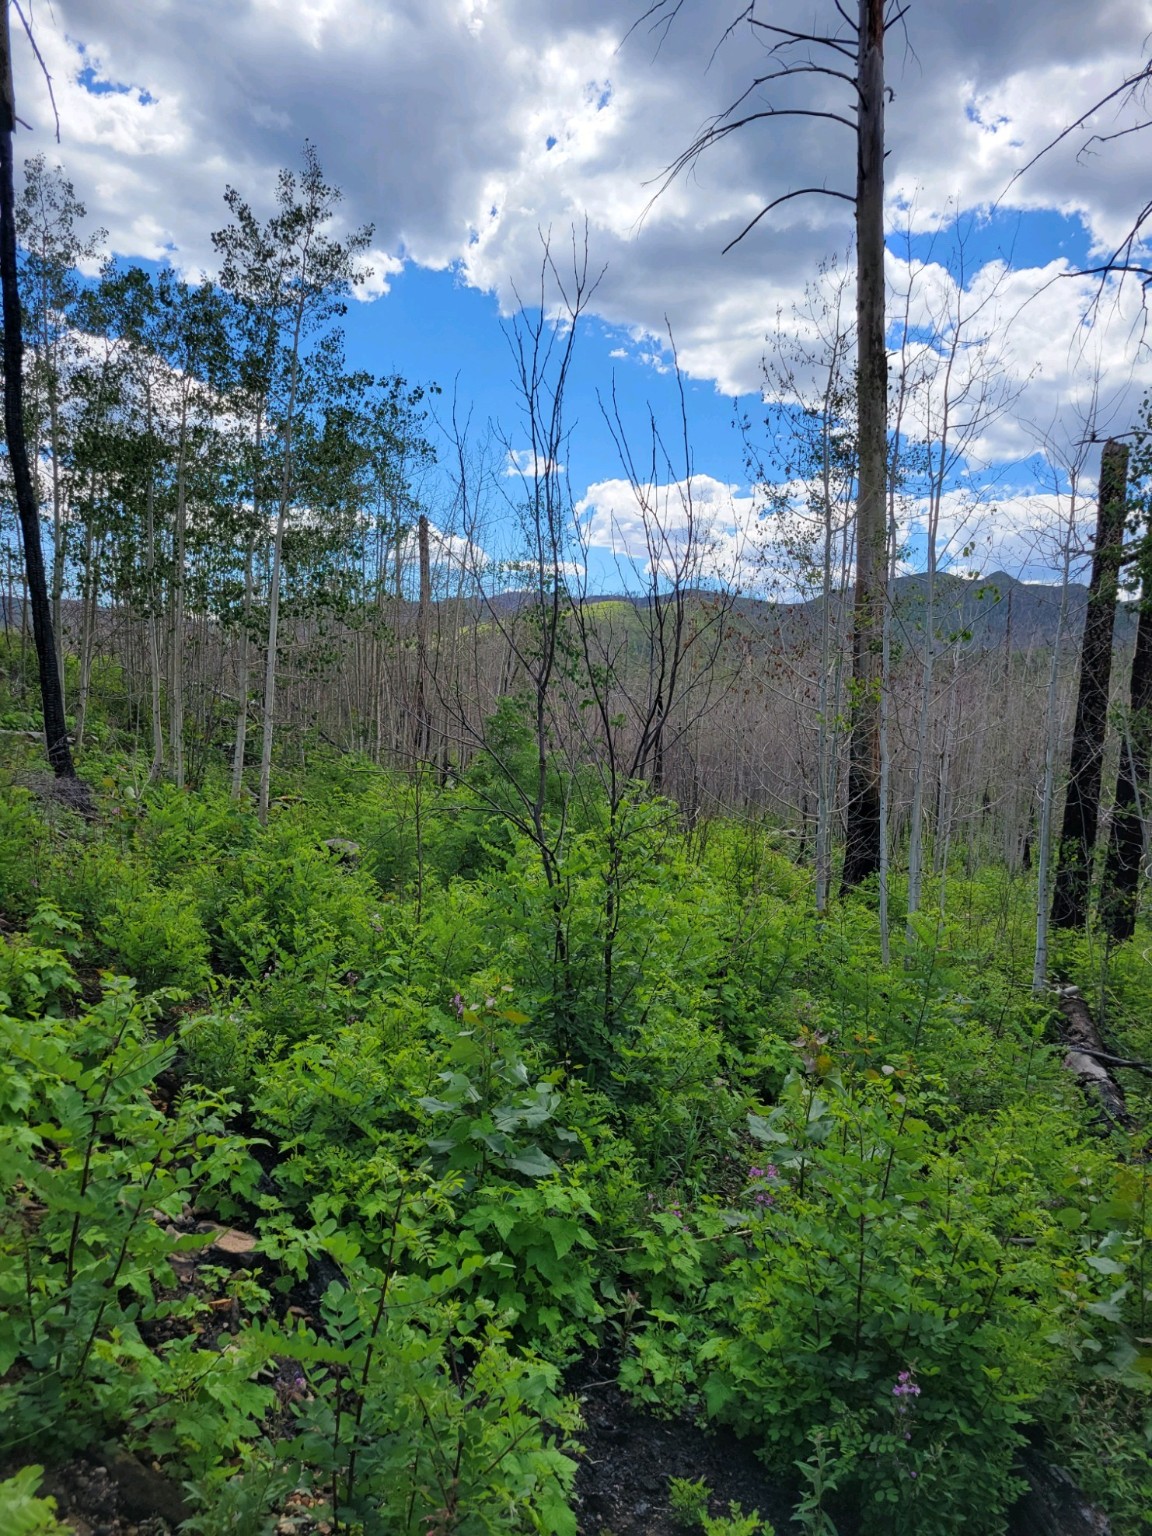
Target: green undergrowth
<point>483,1115</point>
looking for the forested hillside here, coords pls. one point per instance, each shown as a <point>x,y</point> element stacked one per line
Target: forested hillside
<point>555,994</point>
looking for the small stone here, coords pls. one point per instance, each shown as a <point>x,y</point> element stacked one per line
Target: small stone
<point>234,1242</point>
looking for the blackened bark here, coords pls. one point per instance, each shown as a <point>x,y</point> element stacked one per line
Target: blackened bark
<point>1121,884</point>
<point>864,828</point>
<point>1085,1049</point>
<point>1082,802</point>
<point>52,698</point>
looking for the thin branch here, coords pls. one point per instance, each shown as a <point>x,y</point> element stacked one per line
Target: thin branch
<point>775,203</point>
<point>789,37</point>
<point>27,25</point>
<point>1125,86</point>
<point>745,15</point>
<point>1115,1061</point>
<point>721,131</point>
<point>1109,267</point>
<point>807,68</point>
<point>672,7</point>
<point>1107,138</point>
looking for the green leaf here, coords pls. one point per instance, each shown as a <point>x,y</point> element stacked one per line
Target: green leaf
<point>534,1162</point>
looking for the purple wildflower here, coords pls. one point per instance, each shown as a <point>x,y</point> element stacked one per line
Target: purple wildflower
<point>761,1176</point>
<point>458,1005</point>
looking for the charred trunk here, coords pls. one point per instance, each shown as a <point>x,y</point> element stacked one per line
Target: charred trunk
<point>51,694</point>
<point>1082,802</point>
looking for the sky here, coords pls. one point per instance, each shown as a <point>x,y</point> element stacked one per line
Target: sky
<point>469,133</point>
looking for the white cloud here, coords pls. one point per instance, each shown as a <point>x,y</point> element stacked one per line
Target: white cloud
<point>697,530</point>
<point>462,128</point>
<point>382,266</point>
<point>527,464</point>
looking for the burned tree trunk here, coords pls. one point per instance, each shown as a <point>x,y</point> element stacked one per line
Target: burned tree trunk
<point>864,829</point>
<point>1053,1505</point>
<point>1082,802</point>
<point>1121,885</point>
<point>1088,1059</point>
<point>51,694</point>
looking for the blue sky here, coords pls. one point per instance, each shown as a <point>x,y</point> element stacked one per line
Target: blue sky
<point>432,328</point>
<point>462,128</point>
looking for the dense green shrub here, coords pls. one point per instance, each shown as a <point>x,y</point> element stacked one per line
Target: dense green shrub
<point>639,1099</point>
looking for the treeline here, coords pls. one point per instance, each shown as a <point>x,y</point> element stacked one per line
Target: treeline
<point>207,466</point>
<point>247,546</point>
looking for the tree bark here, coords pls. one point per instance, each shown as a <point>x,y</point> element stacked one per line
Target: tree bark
<point>51,694</point>
<point>423,721</point>
<point>864,831</point>
<point>1082,802</point>
<point>1126,840</point>
<point>176,635</point>
<point>153,604</point>
<point>274,580</point>
<point>1044,825</point>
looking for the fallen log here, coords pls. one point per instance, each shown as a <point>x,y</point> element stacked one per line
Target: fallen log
<point>1085,1050</point>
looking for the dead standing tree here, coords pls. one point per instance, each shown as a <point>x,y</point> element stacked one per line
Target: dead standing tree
<point>791,55</point>
<point>52,697</point>
<point>1119,900</point>
<point>1082,802</point>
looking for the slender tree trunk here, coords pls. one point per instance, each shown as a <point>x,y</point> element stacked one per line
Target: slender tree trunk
<point>57,523</point>
<point>51,693</point>
<point>828,737</point>
<point>1044,829</point>
<point>862,853</point>
<point>1126,840</point>
<point>176,636</point>
<point>1082,802</point>
<point>277,559</point>
<point>89,604</point>
<point>423,616</point>
<point>153,611</point>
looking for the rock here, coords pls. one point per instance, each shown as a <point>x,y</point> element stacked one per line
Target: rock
<point>228,1242</point>
<point>344,848</point>
<point>143,1491</point>
<point>235,1243</point>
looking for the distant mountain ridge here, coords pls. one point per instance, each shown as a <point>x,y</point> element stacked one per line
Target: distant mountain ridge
<point>985,612</point>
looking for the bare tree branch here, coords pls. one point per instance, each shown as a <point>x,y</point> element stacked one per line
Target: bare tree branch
<point>789,37</point>
<point>1125,88</point>
<point>775,203</point>
<point>27,25</point>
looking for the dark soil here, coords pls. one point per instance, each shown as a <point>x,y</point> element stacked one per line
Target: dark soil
<point>95,1503</point>
<point>630,1455</point>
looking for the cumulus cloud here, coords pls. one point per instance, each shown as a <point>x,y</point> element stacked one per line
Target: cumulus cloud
<point>527,464</point>
<point>463,128</point>
<point>696,530</point>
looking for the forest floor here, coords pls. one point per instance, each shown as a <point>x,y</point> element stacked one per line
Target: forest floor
<point>622,1485</point>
